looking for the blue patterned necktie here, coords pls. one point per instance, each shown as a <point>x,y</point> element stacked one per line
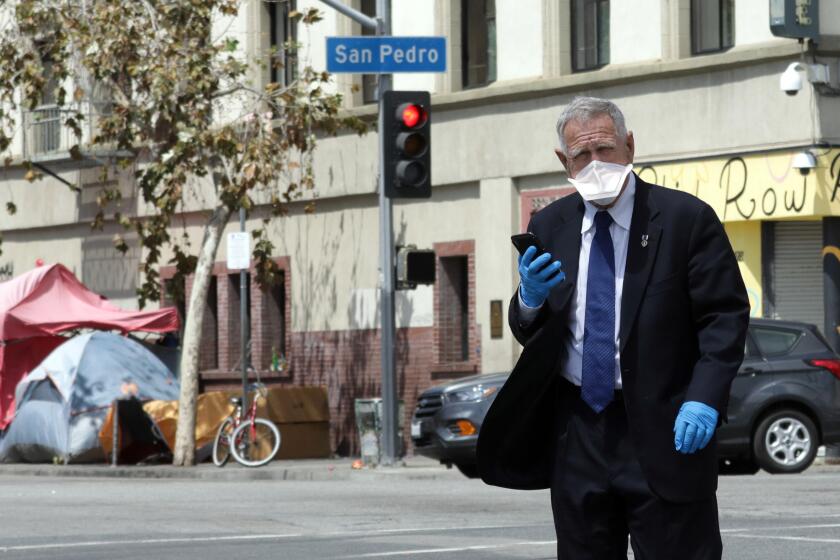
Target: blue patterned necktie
<point>598,375</point>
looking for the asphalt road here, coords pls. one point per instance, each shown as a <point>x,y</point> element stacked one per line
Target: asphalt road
<point>762,517</point>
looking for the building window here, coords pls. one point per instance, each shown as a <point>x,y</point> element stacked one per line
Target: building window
<point>234,320</point>
<point>209,356</point>
<point>270,322</point>
<point>478,42</point>
<point>369,81</point>
<point>277,322</point>
<point>712,25</point>
<point>590,34</point>
<point>43,124</point>
<point>454,310</point>
<point>282,36</point>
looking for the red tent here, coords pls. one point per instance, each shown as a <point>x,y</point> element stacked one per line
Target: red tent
<point>37,306</point>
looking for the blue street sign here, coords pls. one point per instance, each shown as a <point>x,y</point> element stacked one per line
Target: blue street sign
<point>386,55</point>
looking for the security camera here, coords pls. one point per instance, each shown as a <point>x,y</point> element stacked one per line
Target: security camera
<point>791,80</point>
<point>818,74</point>
<point>804,161</point>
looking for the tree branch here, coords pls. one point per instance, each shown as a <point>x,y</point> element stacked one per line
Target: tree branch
<point>152,15</point>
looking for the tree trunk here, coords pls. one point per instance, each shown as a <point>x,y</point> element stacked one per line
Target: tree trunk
<point>185,434</point>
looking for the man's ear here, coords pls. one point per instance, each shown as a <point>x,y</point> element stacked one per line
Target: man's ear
<point>631,145</point>
<point>562,157</point>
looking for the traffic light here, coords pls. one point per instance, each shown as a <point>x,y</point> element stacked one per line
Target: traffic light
<point>408,139</point>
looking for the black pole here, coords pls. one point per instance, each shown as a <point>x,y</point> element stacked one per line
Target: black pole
<point>831,300</point>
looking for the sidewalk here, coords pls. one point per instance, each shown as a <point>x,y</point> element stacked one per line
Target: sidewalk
<point>411,468</point>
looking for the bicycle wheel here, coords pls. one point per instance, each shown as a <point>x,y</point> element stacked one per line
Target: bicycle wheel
<point>221,445</point>
<point>257,442</point>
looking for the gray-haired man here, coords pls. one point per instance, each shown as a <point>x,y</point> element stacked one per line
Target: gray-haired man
<point>633,327</point>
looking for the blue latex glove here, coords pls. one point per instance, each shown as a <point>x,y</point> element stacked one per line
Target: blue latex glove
<point>537,276</point>
<point>695,426</point>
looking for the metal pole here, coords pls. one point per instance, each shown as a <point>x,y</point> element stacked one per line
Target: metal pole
<point>243,320</point>
<point>386,251</point>
<point>382,24</point>
<point>115,432</point>
<point>355,15</point>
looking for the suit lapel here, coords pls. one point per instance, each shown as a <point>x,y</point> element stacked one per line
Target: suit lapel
<point>643,244</point>
<point>565,245</point>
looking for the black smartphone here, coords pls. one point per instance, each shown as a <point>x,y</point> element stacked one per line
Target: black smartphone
<point>524,240</point>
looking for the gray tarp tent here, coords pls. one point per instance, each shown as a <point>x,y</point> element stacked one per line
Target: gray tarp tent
<point>62,403</point>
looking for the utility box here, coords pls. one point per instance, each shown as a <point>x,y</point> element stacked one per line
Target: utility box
<point>795,19</point>
<point>414,266</point>
<point>369,426</point>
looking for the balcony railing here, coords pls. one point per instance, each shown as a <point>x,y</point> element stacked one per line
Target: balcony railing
<point>46,137</point>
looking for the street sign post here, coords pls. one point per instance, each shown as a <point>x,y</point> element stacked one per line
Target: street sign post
<point>385,54</point>
<point>239,257</point>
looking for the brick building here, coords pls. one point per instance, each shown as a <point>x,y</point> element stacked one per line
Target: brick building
<point>698,83</point>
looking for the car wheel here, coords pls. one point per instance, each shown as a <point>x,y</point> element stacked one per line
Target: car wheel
<point>785,442</point>
<point>468,469</point>
<point>737,466</point>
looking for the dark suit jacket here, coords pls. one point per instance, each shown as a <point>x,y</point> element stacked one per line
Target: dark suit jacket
<point>684,316</point>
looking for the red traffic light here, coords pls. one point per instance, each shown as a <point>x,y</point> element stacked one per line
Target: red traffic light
<point>412,115</point>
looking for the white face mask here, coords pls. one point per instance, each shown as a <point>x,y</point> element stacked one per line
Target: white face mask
<point>601,182</point>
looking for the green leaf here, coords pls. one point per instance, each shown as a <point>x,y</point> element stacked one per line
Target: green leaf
<point>231,45</point>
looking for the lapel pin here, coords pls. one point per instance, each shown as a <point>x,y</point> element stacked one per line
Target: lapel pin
<point>644,240</point>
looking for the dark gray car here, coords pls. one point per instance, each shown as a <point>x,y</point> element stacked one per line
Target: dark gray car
<point>784,403</point>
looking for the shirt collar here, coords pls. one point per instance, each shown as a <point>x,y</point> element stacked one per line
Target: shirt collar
<point>622,212</point>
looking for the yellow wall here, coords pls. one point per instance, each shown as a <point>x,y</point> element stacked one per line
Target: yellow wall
<point>746,242</point>
<point>745,190</point>
<point>756,186</point>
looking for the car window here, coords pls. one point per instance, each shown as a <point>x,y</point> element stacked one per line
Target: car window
<point>811,342</point>
<point>774,341</point>
<point>750,351</point>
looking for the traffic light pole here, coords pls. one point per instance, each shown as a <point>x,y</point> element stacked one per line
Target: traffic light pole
<point>390,432</point>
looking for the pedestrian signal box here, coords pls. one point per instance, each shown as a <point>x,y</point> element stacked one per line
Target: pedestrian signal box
<point>407,142</point>
<point>414,267</point>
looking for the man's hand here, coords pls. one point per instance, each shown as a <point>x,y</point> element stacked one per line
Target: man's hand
<point>537,276</point>
<point>695,425</point>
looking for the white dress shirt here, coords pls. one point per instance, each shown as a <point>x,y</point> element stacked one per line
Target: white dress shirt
<point>622,214</point>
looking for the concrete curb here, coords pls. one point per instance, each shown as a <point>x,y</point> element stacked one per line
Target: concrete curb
<point>320,470</point>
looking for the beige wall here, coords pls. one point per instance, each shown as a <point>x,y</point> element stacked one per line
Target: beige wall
<point>334,254</point>
<point>519,40</point>
<point>495,268</point>
<point>829,17</point>
<point>752,23</point>
<point>46,202</point>
<point>418,19</point>
<point>634,31</point>
<point>489,145</point>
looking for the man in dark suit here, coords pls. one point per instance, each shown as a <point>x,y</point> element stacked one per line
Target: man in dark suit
<point>633,326</point>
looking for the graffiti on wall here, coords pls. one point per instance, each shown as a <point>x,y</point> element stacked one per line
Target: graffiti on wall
<point>739,188</point>
<point>834,170</point>
<point>761,186</point>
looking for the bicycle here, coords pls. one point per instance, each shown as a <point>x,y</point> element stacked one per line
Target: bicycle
<point>253,442</point>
